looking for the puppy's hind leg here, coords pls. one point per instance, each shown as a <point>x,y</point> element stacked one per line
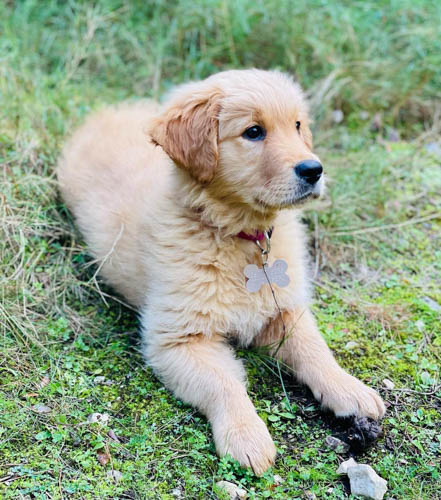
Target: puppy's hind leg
<point>204,373</point>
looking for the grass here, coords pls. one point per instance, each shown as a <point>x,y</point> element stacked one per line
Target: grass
<point>375,246</point>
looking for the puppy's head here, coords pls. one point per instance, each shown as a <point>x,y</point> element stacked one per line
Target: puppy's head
<point>245,135</point>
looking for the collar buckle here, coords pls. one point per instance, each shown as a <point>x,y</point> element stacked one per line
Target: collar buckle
<point>265,251</point>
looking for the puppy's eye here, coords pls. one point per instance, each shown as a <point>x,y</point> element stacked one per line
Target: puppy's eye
<point>298,125</point>
<point>254,133</point>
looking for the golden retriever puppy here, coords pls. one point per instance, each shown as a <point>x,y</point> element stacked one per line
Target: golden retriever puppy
<point>172,200</point>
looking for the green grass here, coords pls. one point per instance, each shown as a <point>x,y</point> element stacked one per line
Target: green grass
<point>375,244</point>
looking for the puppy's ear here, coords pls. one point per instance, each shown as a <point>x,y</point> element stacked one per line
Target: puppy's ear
<point>188,133</point>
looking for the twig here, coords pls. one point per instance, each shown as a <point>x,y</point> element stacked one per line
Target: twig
<point>109,253</point>
<point>386,226</point>
<point>316,245</point>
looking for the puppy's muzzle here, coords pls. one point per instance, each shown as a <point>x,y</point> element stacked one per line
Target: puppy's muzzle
<point>309,170</point>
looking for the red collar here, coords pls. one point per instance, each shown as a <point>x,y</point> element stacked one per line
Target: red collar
<point>256,236</point>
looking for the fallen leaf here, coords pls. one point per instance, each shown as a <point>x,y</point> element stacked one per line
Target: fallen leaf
<point>43,382</point>
<point>113,436</point>
<point>377,122</point>
<point>336,444</point>
<point>103,458</point>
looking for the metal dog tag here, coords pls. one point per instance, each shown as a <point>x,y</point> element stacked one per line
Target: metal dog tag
<point>275,274</point>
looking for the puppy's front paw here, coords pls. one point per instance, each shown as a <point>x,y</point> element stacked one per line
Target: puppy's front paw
<point>345,395</point>
<point>247,440</point>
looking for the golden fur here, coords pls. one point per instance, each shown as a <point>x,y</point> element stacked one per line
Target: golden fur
<point>160,193</point>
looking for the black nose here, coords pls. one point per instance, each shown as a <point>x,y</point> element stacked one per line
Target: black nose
<point>309,170</point>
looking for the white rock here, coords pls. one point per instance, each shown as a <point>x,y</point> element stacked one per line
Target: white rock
<point>394,135</point>
<point>351,345</point>
<point>101,418</point>
<point>430,302</point>
<point>232,489</point>
<point>337,116</point>
<point>278,480</point>
<point>344,466</point>
<point>388,384</point>
<point>101,380</point>
<point>420,325</point>
<point>116,475</point>
<point>39,408</point>
<point>433,147</point>
<point>366,482</point>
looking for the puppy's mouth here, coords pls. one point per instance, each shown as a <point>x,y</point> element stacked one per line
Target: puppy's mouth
<point>303,198</point>
<point>292,200</point>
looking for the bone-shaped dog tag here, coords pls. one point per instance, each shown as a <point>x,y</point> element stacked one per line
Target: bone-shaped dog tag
<point>276,274</point>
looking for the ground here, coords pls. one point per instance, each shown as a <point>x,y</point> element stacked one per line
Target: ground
<point>69,347</point>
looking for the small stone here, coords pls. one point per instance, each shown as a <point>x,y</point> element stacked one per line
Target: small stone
<point>344,466</point>
<point>351,345</point>
<point>336,444</point>
<point>433,147</point>
<point>388,384</point>
<point>101,380</point>
<point>116,475</point>
<point>176,493</point>
<point>278,480</point>
<point>420,325</point>
<point>309,495</point>
<point>394,135</point>
<point>42,408</point>
<point>366,482</point>
<point>232,489</point>
<point>432,304</point>
<point>337,116</point>
<point>100,418</point>
<point>364,115</point>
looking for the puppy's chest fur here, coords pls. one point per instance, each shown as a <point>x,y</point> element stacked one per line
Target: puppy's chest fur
<point>208,289</point>
<point>247,313</point>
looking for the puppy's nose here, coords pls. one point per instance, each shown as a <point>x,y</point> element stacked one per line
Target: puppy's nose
<point>309,170</point>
